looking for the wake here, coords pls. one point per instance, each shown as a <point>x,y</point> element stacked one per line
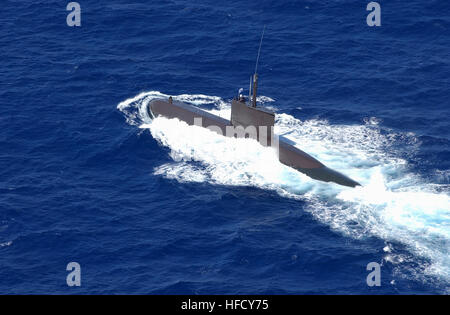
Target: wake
<point>393,203</point>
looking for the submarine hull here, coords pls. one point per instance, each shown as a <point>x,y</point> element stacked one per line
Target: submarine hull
<point>288,154</point>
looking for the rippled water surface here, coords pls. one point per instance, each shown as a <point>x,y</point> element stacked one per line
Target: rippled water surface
<point>155,206</point>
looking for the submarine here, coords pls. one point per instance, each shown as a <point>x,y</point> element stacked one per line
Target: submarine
<point>250,121</point>
<point>243,116</point>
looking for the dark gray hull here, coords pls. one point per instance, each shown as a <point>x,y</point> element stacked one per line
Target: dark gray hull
<point>288,154</point>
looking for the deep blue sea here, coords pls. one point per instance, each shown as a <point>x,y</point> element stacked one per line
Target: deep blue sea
<point>156,207</point>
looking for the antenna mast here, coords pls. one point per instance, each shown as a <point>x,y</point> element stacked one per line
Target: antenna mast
<point>255,76</point>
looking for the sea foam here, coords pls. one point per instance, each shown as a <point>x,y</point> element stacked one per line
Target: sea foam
<point>393,203</point>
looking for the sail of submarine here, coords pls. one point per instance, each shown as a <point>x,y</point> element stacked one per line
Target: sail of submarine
<point>248,116</point>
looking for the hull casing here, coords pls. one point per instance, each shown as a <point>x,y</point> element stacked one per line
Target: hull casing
<point>288,154</point>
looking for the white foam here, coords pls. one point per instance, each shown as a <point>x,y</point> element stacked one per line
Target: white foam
<point>6,244</point>
<point>393,204</point>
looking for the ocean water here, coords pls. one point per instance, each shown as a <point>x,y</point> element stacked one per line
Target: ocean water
<point>153,206</point>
